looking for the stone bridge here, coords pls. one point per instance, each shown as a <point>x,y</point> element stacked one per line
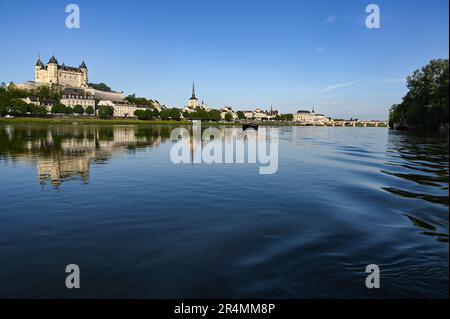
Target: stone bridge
<point>359,123</point>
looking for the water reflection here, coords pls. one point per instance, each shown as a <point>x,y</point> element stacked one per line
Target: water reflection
<point>422,164</point>
<point>66,152</point>
<point>63,153</point>
<point>430,230</point>
<point>423,161</point>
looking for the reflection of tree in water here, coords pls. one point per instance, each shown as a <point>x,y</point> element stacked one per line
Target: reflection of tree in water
<point>429,229</point>
<point>421,164</point>
<point>64,152</point>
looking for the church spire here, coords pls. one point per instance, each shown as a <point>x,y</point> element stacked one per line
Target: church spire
<point>193,91</point>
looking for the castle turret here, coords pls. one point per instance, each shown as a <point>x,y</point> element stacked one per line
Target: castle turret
<point>52,67</point>
<point>84,79</point>
<point>37,67</point>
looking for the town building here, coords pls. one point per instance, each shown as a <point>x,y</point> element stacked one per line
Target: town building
<point>31,100</point>
<point>228,110</point>
<point>311,118</point>
<point>121,108</point>
<point>259,115</point>
<point>72,97</point>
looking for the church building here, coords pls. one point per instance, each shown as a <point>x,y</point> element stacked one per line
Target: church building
<point>193,101</point>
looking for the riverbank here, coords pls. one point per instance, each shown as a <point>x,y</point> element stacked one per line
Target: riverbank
<point>117,121</point>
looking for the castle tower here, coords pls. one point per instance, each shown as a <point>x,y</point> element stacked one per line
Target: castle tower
<point>84,78</point>
<point>52,68</point>
<point>37,67</point>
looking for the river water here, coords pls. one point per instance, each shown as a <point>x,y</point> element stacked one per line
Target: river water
<point>109,199</point>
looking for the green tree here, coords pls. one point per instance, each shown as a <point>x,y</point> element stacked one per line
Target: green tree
<point>228,117</point>
<point>425,105</point>
<point>57,108</point>
<point>100,87</point>
<point>142,101</point>
<point>67,110</point>
<point>46,92</point>
<point>18,107</point>
<point>289,117</point>
<point>90,110</point>
<point>139,114</point>
<point>215,115</point>
<point>171,114</point>
<point>240,115</point>
<point>175,114</point>
<point>38,110</point>
<point>105,111</point>
<point>78,109</point>
<point>3,111</point>
<point>148,114</point>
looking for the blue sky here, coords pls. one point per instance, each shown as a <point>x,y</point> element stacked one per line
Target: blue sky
<point>292,54</point>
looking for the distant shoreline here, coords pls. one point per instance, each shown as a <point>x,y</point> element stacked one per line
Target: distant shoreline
<point>78,121</point>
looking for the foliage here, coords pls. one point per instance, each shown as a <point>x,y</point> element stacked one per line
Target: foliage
<point>284,117</point>
<point>38,110</point>
<point>9,94</point>
<point>171,114</point>
<point>78,109</point>
<point>90,110</point>
<point>228,117</point>
<point>46,92</point>
<point>426,104</point>
<point>240,115</point>
<point>146,114</point>
<point>105,111</point>
<point>11,103</point>
<point>100,86</point>
<point>140,101</point>
<point>58,108</point>
<point>201,114</point>
<point>17,107</point>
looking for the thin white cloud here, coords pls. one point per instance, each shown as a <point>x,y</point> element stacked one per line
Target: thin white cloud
<point>331,19</point>
<point>394,80</point>
<point>331,103</point>
<point>341,85</point>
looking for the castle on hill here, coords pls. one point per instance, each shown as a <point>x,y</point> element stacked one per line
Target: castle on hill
<point>60,74</point>
<point>72,80</point>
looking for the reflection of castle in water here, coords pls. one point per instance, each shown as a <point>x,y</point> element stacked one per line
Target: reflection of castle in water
<point>61,169</point>
<point>77,155</point>
<point>66,152</point>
